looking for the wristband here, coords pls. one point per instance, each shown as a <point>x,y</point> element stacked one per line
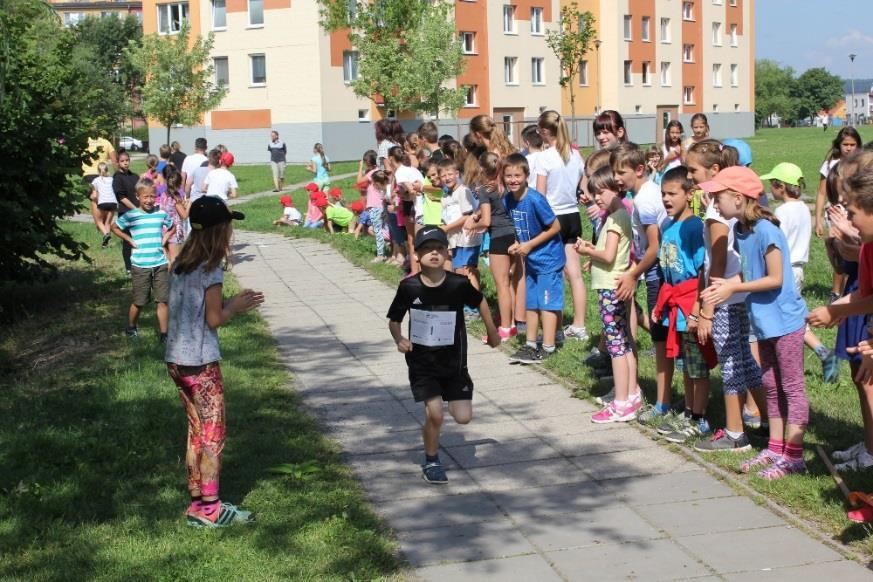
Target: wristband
<point>693,317</point>
<point>709,318</point>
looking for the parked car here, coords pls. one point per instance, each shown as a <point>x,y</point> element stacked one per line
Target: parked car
<point>130,143</point>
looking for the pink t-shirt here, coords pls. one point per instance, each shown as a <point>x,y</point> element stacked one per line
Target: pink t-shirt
<point>313,213</point>
<point>375,198</point>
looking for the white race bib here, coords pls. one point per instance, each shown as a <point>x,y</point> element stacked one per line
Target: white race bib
<point>432,328</point>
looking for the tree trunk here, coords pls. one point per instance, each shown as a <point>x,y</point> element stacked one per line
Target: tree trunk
<point>573,113</point>
<point>168,136</point>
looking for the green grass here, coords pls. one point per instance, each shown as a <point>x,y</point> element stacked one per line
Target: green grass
<point>259,177</point>
<point>92,474</point>
<point>835,420</point>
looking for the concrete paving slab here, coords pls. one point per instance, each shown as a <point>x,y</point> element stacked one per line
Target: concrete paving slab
<point>594,443</point>
<point>500,453</point>
<point>554,499</point>
<point>410,514</point>
<point>843,570</point>
<point>463,543</point>
<point>518,569</point>
<point>516,476</point>
<point>668,488</point>
<point>386,486</point>
<point>722,514</point>
<point>649,461</point>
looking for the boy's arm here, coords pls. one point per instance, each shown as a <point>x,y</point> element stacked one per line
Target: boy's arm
<point>116,230</point>
<point>233,192</point>
<point>403,344</point>
<point>490,328</point>
<point>627,282</point>
<point>554,229</point>
<point>846,306</point>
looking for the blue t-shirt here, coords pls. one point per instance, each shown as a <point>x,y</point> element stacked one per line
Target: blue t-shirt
<point>320,171</point>
<point>532,215</point>
<point>776,312</point>
<point>146,229</point>
<point>681,255</point>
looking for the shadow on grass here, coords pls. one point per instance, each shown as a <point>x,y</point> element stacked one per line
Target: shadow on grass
<point>92,476</point>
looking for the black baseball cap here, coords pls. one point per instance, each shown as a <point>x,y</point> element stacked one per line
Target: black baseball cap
<point>208,211</point>
<point>430,233</point>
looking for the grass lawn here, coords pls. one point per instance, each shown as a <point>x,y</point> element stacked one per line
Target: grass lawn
<point>835,417</point>
<point>92,474</point>
<point>259,177</point>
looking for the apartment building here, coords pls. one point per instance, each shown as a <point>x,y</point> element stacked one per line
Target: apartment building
<point>74,11</point>
<point>653,60</point>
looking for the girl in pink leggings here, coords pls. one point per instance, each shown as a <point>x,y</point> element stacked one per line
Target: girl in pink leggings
<point>777,315</point>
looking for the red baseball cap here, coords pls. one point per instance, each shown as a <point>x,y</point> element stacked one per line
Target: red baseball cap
<point>320,200</point>
<point>227,159</point>
<point>336,192</point>
<point>738,179</point>
<point>357,206</point>
<point>312,187</point>
<point>286,201</point>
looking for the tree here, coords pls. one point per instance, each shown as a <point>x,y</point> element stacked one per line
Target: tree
<point>774,92</point>
<point>47,113</point>
<point>570,44</point>
<point>177,73</point>
<point>817,90</point>
<point>407,51</point>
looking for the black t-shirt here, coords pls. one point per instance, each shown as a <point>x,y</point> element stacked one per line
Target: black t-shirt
<point>124,185</point>
<point>501,222</point>
<point>436,317</point>
<point>177,159</point>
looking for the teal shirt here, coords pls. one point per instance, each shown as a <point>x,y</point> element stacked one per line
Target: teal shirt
<point>146,229</point>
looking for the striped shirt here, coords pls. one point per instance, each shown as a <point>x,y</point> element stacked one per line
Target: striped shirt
<point>146,229</point>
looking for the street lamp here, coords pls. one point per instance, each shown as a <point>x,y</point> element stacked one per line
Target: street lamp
<point>852,72</point>
<point>597,43</point>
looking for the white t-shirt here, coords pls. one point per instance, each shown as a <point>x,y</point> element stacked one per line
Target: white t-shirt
<point>218,182</point>
<point>561,179</point>
<point>796,222</point>
<point>533,162</point>
<point>732,266</point>
<point>648,209</point>
<point>105,193</point>
<point>197,187</point>
<point>407,174</point>
<point>291,213</point>
<point>191,163</point>
<point>459,203</point>
<point>826,167</point>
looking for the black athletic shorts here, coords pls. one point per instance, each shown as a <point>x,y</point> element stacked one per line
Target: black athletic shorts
<point>658,331</point>
<point>409,209</point>
<point>108,206</point>
<point>571,227</point>
<point>426,386</point>
<point>501,244</point>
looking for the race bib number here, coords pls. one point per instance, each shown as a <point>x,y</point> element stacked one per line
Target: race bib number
<point>432,328</point>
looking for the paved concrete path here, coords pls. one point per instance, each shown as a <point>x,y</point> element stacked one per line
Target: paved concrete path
<point>536,491</point>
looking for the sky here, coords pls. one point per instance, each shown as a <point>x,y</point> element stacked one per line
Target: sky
<point>816,33</point>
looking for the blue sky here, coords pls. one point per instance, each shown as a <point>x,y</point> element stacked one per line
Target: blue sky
<point>816,33</point>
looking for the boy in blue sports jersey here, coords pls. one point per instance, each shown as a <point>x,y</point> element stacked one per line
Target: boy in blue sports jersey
<point>539,243</point>
<point>149,266</point>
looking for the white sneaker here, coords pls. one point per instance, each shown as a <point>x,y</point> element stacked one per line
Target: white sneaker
<point>576,333</point>
<point>849,453</point>
<point>862,462</point>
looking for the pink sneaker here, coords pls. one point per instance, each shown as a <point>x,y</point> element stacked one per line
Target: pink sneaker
<point>615,413</point>
<point>782,468</point>
<point>762,459</point>
<point>505,333</point>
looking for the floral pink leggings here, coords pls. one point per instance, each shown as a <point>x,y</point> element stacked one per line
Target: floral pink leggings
<point>202,392</point>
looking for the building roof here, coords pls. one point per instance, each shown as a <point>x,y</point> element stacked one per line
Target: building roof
<point>861,85</point>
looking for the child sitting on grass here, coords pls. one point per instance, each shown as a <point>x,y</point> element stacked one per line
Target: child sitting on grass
<point>290,215</point>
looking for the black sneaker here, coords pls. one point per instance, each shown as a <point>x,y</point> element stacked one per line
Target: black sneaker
<point>434,473</point>
<point>597,359</point>
<point>106,238</point>
<point>163,338</point>
<point>525,355</point>
<point>132,333</point>
<point>543,355</point>
<point>721,441</point>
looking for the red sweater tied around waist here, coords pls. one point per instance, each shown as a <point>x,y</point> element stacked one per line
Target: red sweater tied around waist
<point>675,298</point>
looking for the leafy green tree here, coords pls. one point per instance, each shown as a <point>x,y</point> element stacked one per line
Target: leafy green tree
<point>47,112</point>
<point>177,77</point>
<point>774,92</point>
<point>407,51</point>
<point>815,90</point>
<point>570,43</point>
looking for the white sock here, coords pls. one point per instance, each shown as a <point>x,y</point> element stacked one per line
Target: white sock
<point>733,435</point>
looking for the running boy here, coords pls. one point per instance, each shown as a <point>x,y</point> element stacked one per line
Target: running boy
<point>539,244</point>
<point>149,266</point>
<point>436,348</point>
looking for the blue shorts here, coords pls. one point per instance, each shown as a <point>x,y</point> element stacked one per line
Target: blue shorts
<point>544,291</point>
<point>465,257</point>
<point>313,224</point>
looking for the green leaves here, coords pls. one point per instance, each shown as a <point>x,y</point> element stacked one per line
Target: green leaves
<point>299,471</point>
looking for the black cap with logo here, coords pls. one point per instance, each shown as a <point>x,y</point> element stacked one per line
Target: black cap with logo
<point>430,233</point>
<point>208,211</point>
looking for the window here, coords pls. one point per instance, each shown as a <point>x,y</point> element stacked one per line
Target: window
<point>509,19</point>
<point>666,81</point>
<point>259,70</point>
<point>715,107</point>
<point>734,40</point>
<point>171,17</point>
<point>583,73</point>
<point>628,28</point>
<point>688,95</point>
<point>688,53</point>
<point>219,14</point>
<point>647,73</point>
<point>468,43</point>
<point>536,21</point>
<point>644,29</point>
<point>716,75</point>
<point>733,2</point>
<point>509,76</point>
<point>665,30</point>
<point>222,77</point>
<point>688,11</point>
<point>350,66</point>
<point>256,12</point>
<point>537,76</point>
<point>628,76</point>
<point>735,76</point>
<point>736,107</point>
<point>470,96</point>
<point>716,34</point>
<point>363,115</point>
<point>718,2</point>
<point>507,126</point>
<point>74,18</point>
<point>351,14</point>
<point>638,108</point>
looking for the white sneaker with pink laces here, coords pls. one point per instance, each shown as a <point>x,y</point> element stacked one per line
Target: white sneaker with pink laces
<point>614,412</point>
